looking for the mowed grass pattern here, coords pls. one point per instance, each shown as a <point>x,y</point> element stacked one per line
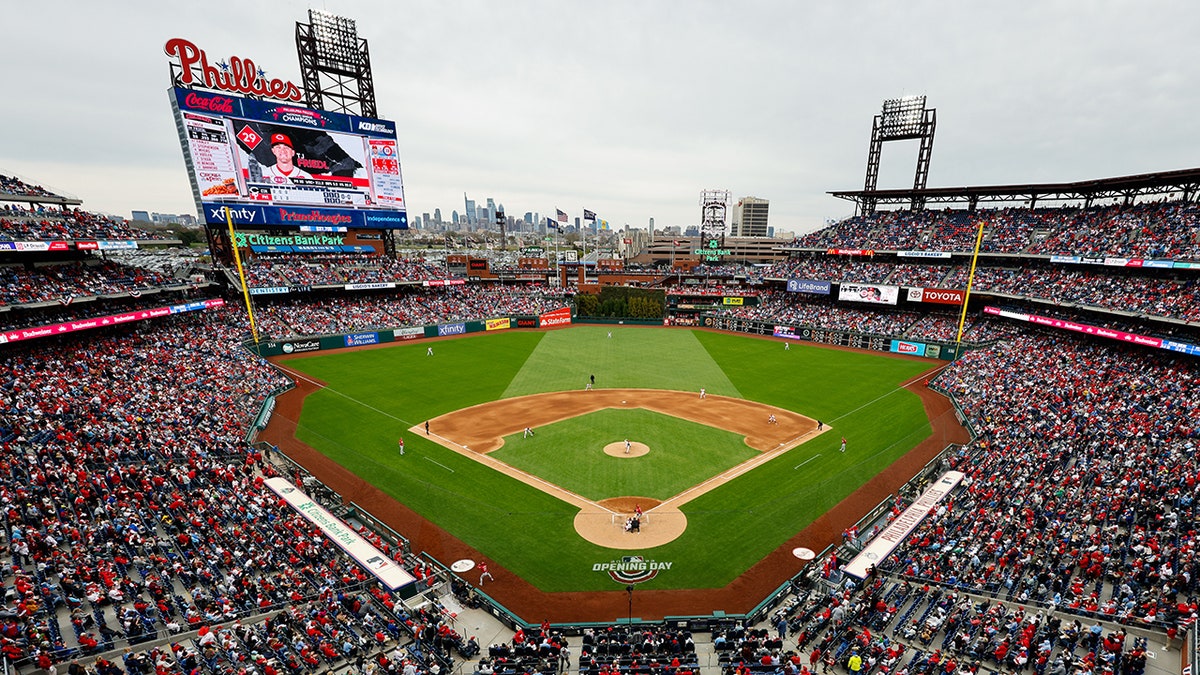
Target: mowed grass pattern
<point>571,454</point>
<point>376,394</point>
<point>634,357</point>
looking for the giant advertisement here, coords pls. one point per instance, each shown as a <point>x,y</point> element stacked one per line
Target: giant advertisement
<point>275,163</point>
<point>875,294</point>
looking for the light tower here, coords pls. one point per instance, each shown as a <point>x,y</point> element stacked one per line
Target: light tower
<point>901,119</point>
<point>335,65</point>
<point>714,212</point>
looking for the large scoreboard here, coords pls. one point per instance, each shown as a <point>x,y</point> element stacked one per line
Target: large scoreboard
<point>274,163</point>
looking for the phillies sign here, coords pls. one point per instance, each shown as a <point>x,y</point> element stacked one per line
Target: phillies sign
<point>239,75</point>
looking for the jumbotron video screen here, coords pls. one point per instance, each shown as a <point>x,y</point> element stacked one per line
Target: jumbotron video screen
<point>275,163</point>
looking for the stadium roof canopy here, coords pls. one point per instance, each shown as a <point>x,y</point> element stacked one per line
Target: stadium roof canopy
<point>1186,182</point>
<point>40,199</point>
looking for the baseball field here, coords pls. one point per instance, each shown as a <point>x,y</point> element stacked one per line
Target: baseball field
<point>723,481</point>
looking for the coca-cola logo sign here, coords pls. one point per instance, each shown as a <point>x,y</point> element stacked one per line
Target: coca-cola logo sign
<point>217,104</point>
<point>241,76</point>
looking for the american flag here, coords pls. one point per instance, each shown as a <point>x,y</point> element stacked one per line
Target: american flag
<point>562,215</point>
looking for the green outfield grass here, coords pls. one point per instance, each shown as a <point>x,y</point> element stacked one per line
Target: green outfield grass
<point>374,396</point>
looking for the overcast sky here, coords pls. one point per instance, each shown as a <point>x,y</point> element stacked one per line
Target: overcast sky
<point>628,108</point>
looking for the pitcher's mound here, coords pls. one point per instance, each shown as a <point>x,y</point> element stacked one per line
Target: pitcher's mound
<point>618,449</point>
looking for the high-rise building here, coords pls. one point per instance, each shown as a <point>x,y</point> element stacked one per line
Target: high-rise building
<point>437,215</point>
<point>489,218</point>
<point>750,216</point>
<point>469,209</point>
<point>425,221</point>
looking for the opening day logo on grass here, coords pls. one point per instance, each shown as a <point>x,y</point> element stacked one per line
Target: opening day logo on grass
<point>632,569</point>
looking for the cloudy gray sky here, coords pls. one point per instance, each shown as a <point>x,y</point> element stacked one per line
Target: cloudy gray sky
<point>631,108</point>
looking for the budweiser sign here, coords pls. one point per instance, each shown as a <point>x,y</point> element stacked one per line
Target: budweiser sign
<point>240,75</point>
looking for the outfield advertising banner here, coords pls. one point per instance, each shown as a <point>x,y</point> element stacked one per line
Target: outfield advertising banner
<point>923,254</point>
<point>411,333</point>
<point>496,324</point>
<point>906,347</point>
<point>301,346</point>
<point>451,329</point>
<point>787,332</point>
<point>898,530</point>
<point>388,571</point>
<point>558,317</point>
<point>732,301</point>
<point>810,286</point>
<point>360,339</point>
<point>875,294</point>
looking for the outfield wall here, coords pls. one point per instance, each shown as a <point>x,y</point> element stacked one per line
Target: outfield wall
<point>299,345</point>
<point>841,338</point>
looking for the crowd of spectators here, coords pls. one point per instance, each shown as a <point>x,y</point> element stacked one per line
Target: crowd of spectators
<point>311,315</point>
<point>1113,289</point>
<point>134,509</point>
<point>43,223</point>
<point>1168,230</point>
<point>1081,489</point>
<point>63,282</point>
<point>310,270</point>
<point>11,185</point>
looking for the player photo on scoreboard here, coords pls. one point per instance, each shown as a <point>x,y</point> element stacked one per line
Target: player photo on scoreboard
<point>296,165</point>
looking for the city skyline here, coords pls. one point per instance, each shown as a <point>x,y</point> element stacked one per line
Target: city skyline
<point>631,110</point>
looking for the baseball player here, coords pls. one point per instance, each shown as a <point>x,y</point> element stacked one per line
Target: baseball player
<point>771,419</point>
<point>627,446</point>
<point>429,351</point>
<point>483,572</point>
<point>284,169</point>
<point>528,432</point>
<point>843,443</point>
<point>402,447</point>
<point>702,392</point>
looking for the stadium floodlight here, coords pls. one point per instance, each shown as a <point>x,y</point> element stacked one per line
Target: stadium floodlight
<point>337,39</point>
<point>900,119</point>
<point>335,65</point>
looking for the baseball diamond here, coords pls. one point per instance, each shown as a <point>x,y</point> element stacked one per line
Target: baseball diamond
<point>460,508</point>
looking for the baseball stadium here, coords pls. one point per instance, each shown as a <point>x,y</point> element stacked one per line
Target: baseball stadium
<point>954,432</point>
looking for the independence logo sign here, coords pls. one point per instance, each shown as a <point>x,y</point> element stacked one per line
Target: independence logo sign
<point>632,569</point>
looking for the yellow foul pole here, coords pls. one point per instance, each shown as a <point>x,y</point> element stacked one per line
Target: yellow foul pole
<point>962,318</point>
<point>237,259</point>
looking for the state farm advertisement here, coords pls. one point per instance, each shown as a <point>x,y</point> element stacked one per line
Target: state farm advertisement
<point>559,317</point>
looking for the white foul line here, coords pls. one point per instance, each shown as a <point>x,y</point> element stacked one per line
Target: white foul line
<point>806,461</point>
